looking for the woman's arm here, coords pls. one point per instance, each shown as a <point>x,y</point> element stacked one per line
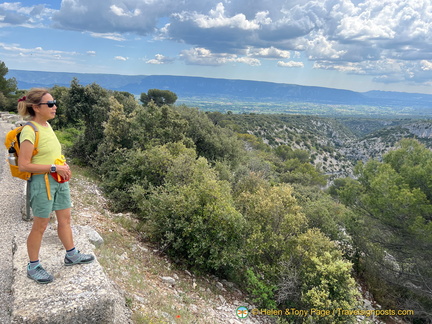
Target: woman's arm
<point>25,165</point>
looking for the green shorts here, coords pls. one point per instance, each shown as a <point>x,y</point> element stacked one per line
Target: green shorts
<point>40,204</point>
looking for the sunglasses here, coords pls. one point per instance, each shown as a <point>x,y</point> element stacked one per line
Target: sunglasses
<point>50,103</point>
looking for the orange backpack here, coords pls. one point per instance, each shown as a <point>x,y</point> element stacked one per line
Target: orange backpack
<point>12,144</point>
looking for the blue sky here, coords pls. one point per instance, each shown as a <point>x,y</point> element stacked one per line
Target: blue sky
<point>346,44</point>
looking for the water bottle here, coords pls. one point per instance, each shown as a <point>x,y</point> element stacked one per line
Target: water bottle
<point>12,157</point>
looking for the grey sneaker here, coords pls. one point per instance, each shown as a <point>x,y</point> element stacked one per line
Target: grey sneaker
<point>78,258</point>
<point>39,275</point>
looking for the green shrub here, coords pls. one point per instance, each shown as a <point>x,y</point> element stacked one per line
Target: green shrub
<point>124,170</point>
<point>194,220</point>
<point>273,220</point>
<point>326,281</point>
<point>261,291</point>
<point>67,137</point>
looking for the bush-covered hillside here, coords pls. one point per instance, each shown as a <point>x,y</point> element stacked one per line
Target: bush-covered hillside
<point>240,196</point>
<point>334,144</point>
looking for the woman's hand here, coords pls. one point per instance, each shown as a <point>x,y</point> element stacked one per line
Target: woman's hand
<point>64,171</point>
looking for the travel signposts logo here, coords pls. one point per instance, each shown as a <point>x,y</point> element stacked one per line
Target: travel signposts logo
<point>242,312</point>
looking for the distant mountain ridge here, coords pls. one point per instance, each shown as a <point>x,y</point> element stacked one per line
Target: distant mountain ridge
<point>244,90</point>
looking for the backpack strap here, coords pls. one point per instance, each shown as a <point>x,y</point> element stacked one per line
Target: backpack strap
<point>36,142</point>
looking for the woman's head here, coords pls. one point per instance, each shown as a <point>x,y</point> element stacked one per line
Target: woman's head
<point>33,97</point>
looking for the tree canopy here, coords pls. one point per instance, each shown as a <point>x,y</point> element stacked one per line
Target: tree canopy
<point>8,89</point>
<point>159,97</point>
<point>393,229</point>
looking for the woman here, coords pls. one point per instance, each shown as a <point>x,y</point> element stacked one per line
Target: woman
<point>46,194</point>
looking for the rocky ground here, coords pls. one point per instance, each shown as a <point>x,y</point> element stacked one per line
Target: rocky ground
<point>11,194</point>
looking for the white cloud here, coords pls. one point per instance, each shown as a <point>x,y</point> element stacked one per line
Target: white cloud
<point>121,12</point>
<point>14,13</point>
<point>387,39</point>
<point>321,48</point>
<point>101,16</point>
<point>220,28</point>
<point>354,68</point>
<point>217,18</point>
<point>13,6</point>
<point>247,60</point>
<point>37,56</point>
<point>203,56</point>
<point>426,65</point>
<point>37,51</point>
<point>386,70</point>
<point>160,59</point>
<point>290,64</point>
<point>355,36</point>
<point>269,52</point>
<point>112,36</point>
<point>297,54</point>
<point>91,53</point>
<point>121,58</point>
<point>382,38</point>
<point>117,11</point>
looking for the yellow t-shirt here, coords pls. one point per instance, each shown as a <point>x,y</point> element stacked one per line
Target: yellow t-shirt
<point>49,148</point>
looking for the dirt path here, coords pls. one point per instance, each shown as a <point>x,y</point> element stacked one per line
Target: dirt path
<point>11,195</point>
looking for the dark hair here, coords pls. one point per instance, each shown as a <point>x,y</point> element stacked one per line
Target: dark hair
<point>33,97</point>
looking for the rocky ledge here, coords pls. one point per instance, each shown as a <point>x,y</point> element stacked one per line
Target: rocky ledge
<point>79,294</point>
